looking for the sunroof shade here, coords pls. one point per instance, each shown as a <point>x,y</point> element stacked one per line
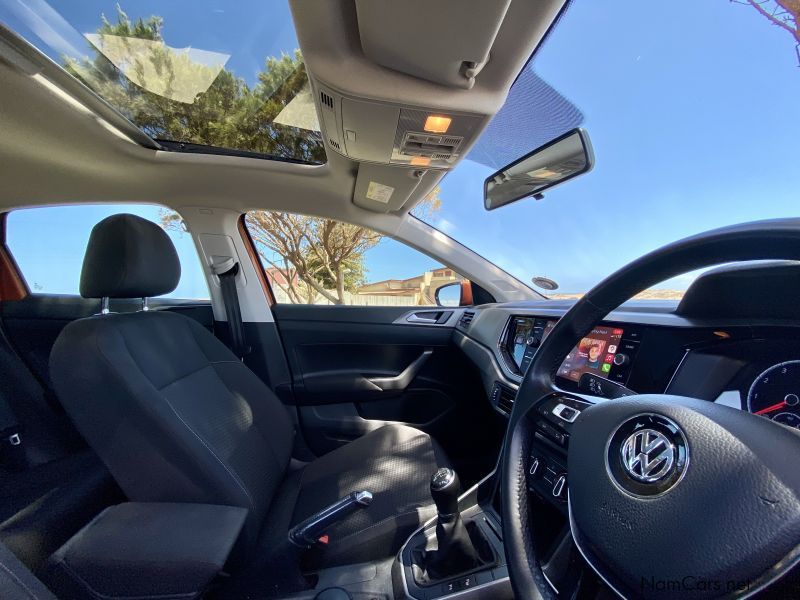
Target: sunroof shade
<point>225,75</point>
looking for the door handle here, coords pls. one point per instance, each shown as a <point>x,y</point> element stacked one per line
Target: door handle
<point>429,317</point>
<point>423,317</point>
<point>401,381</point>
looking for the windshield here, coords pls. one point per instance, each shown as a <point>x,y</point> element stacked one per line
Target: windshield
<point>692,109</point>
<point>221,74</point>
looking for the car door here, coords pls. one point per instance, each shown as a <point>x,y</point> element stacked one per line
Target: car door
<point>373,348</point>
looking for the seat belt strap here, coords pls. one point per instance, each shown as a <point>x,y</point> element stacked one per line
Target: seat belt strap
<point>9,426</point>
<point>227,271</point>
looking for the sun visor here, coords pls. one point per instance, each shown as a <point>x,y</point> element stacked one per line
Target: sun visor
<point>447,41</point>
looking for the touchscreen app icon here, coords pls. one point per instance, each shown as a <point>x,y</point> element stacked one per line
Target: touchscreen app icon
<point>612,348</point>
<point>606,368</point>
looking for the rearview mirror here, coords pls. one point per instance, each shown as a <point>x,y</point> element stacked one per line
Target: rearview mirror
<point>564,158</point>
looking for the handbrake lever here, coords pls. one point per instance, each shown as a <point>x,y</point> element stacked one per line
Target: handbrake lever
<point>307,533</point>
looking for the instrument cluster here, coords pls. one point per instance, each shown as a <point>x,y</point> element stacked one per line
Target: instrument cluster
<point>775,393</point>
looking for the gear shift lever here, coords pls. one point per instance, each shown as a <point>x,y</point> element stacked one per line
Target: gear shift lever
<point>454,552</point>
<point>445,489</point>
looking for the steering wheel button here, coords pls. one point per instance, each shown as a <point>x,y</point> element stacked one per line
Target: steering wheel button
<point>568,414</point>
<point>560,487</point>
<point>551,432</point>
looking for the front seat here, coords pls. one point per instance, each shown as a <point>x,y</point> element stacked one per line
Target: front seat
<point>176,417</point>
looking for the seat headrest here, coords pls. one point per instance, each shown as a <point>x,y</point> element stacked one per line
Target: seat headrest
<point>129,257</point>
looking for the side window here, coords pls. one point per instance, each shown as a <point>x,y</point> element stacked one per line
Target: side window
<point>48,244</point>
<point>311,260</point>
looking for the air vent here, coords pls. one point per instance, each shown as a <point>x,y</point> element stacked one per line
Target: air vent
<point>466,318</point>
<point>326,100</point>
<point>335,144</point>
<point>503,397</point>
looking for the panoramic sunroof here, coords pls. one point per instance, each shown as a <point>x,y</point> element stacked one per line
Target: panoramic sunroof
<point>201,75</point>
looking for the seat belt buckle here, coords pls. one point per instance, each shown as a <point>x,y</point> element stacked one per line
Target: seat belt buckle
<point>312,531</point>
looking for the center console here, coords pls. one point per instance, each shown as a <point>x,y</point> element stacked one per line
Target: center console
<point>460,554</point>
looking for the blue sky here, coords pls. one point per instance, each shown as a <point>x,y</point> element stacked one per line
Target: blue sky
<point>55,265</point>
<point>691,107</point>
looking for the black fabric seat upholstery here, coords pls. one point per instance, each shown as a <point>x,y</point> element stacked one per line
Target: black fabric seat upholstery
<point>392,462</point>
<point>176,417</point>
<point>16,580</point>
<point>41,508</point>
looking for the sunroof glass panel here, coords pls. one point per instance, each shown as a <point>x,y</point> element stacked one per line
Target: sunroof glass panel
<point>227,75</point>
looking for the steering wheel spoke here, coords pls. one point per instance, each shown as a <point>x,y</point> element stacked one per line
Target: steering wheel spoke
<point>562,564</point>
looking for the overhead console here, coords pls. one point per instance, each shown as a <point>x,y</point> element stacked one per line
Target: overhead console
<point>396,146</point>
<point>392,134</point>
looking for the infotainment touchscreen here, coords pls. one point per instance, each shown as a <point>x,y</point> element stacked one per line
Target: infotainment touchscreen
<point>593,354</point>
<point>523,329</point>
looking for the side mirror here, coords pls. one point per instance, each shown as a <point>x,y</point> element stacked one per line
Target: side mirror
<point>556,162</point>
<point>453,294</point>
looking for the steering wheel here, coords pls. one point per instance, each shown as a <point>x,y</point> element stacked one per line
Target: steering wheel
<point>724,511</point>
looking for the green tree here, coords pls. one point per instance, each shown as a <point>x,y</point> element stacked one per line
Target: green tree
<point>228,113</point>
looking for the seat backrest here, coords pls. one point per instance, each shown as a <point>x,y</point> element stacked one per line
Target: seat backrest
<point>171,411</point>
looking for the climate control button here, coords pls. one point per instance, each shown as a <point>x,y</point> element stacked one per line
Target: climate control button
<point>560,488</point>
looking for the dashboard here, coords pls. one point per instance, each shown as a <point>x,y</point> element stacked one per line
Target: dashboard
<point>748,363</point>
<point>734,340</point>
<point>645,347</point>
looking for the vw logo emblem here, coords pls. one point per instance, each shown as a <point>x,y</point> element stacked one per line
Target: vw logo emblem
<point>648,455</point>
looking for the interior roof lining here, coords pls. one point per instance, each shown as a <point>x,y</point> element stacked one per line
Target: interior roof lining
<point>86,163</point>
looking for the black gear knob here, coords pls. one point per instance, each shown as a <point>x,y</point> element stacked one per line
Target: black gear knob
<point>445,489</point>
